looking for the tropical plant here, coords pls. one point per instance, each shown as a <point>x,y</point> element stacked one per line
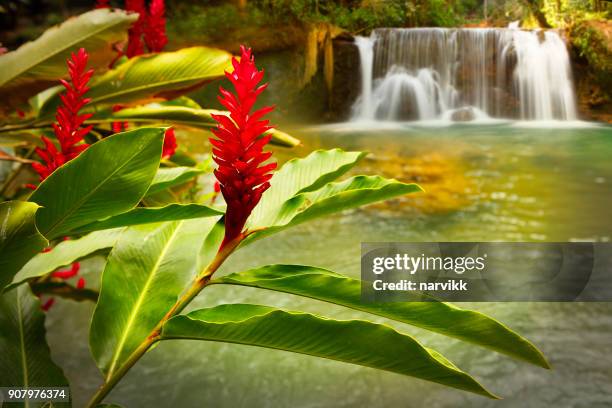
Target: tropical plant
<point>116,195</point>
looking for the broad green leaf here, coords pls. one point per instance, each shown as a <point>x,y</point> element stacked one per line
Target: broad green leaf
<point>308,173</point>
<point>160,199</point>
<point>440,317</point>
<point>19,137</point>
<point>172,176</point>
<point>25,360</point>
<point>19,238</point>
<point>280,138</point>
<point>182,101</point>
<point>351,341</point>
<point>45,58</point>
<point>146,271</point>
<point>154,112</point>
<point>108,178</point>
<point>67,252</point>
<point>147,215</point>
<point>211,244</point>
<point>39,100</point>
<point>186,116</point>
<point>154,76</point>
<point>331,198</point>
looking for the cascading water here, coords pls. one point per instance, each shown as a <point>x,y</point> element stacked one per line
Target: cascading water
<point>429,73</point>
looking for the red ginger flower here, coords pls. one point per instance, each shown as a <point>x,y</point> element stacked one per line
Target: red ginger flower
<point>68,128</point>
<point>135,45</point>
<point>169,144</point>
<point>70,133</point>
<point>118,126</point>
<point>151,25</point>
<point>238,151</point>
<point>155,28</point>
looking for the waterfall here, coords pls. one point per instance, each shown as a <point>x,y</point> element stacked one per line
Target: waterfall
<point>366,57</point>
<point>429,73</point>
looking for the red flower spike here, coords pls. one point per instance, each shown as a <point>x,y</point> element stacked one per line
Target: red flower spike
<point>155,27</point>
<point>80,284</point>
<point>135,45</point>
<point>68,129</point>
<point>169,144</point>
<point>238,149</point>
<point>118,126</point>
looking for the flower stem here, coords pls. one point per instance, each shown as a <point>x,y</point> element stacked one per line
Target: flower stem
<point>196,287</point>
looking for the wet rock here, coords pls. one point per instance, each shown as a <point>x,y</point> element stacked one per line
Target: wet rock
<point>463,115</point>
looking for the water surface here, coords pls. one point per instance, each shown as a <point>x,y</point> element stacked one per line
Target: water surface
<point>497,182</point>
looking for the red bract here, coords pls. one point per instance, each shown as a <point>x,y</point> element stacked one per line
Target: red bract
<point>52,159</point>
<point>155,28</point>
<point>68,128</point>
<point>47,305</point>
<point>102,4</point>
<point>135,45</point>
<point>68,273</point>
<point>169,144</point>
<point>118,126</point>
<point>238,151</point>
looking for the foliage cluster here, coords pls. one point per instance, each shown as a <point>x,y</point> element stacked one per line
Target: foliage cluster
<point>119,198</point>
<point>356,16</point>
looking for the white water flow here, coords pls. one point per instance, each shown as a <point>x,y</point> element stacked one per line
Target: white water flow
<point>464,74</point>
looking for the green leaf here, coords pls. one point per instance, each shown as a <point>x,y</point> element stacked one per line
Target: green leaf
<point>172,176</point>
<point>45,58</point>
<point>19,238</point>
<point>26,360</point>
<point>331,198</point>
<point>19,137</point>
<point>147,215</point>
<point>38,101</point>
<point>164,75</point>
<point>65,253</point>
<point>108,178</point>
<point>351,341</point>
<point>181,115</point>
<point>146,272</point>
<point>440,317</point>
<point>280,138</point>
<point>184,101</point>
<point>305,174</point>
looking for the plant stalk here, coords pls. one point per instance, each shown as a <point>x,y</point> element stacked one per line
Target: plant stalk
<point>13,176</point>
<point>196,287</point>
